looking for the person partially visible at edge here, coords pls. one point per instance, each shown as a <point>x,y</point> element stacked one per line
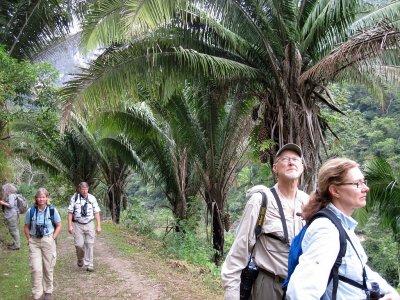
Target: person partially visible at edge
<point>82,209</point>
<point>342,189</point>
<point>41,235</point>
<point>270,253</point>
<point>11,214</point>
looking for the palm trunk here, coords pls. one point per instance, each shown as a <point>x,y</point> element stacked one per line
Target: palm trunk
<point>215,208</point>
<point>114,198</point>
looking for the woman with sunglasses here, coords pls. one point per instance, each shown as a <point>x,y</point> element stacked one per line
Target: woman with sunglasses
<point>342,189</point>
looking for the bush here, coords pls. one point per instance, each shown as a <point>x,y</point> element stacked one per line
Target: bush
<point>191,247</point>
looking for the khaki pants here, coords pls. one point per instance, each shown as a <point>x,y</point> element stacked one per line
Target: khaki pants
<point>13,227</point>
<point>266,288</point>
<point>42,257</point>
<point>84,241</point>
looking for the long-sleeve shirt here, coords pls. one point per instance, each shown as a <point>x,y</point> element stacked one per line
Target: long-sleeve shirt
<point>320,249</point>
<point>11,211</point>
<point>270,254</point>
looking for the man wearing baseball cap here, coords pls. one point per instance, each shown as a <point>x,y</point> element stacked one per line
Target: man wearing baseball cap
<point>281,223</point>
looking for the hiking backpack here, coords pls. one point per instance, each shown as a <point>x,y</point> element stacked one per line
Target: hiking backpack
<point>22,204</point>
<point>296,250</point>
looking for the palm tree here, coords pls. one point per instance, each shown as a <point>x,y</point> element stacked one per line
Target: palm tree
<point>146,144</point>
<point>283,53</point>
<point>78,154</point>
<point>43,146</point>
<point>192,138</point>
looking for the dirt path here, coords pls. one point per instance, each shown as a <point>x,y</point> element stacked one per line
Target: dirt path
<point>139,275</point>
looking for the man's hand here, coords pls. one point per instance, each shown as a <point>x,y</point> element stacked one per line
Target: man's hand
<point>71,229</point>
<point>98,229</point>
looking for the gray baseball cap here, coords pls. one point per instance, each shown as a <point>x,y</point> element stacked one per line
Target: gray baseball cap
<point>292,147</point>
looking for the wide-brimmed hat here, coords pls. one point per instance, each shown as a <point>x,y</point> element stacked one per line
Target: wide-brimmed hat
<point>292,147</point>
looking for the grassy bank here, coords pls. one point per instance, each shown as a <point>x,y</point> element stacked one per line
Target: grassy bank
<point>15,277</point>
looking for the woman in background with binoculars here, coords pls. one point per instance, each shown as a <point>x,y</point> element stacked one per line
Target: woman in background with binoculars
<point>42,226</point>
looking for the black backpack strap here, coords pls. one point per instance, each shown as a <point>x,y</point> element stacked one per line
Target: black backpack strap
<point>352,282</point>
<point>285,240</point>
<point>334,276</point>
<point>32,212</point>
<point>52,216</point>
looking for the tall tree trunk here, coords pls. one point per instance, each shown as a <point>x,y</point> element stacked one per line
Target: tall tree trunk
<point>114,198</point>
<point>215,208</point>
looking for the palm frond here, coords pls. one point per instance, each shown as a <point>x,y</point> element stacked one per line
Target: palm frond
<point>390,13</point>
<point>369,44</point>
<point>102,25</point>
<point>326,24</point>
<point>384,194</point>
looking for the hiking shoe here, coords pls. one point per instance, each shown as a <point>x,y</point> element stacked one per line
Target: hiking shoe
<point>80,263</point>
<point>13,247</point>
<point>90,269</point>
<point>47,296</point>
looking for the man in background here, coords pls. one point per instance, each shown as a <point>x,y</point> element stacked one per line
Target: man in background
<point>82,210</point>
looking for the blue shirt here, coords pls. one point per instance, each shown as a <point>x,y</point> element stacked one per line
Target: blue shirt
<point>320,249</point>
<point>41,218</point>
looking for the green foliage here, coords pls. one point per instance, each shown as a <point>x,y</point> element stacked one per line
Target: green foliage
<point>61,190</point>
<point>5,167</point>
<point>254,173</point>
<point>28,26</point>
<point>137,217</point>
<point>382,250</point>
<point>384,194</point>
<point>25,89</point>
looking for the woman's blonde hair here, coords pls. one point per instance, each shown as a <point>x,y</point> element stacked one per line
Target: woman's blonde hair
<point>42,191</point>
<point>332,171</point>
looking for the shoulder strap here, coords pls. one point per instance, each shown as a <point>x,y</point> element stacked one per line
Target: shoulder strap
<point>282,215</point>
<point>31,214</point>
<point>52,215</point>
<point>261,215</point>
<point>327,213</point>
<point>260,220</point>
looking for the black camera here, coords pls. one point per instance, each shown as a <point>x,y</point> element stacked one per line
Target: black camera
<point>247,279</point>
<point>84,210</point>
<point>40,231</point>
<point>374,293</point>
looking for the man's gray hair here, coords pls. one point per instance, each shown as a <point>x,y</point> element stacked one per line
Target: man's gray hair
<point>83,184</point>
<point>8,189</point>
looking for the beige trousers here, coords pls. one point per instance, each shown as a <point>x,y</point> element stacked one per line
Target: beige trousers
<point>84,241</point>
<point>42,256</point>
<point>265,288</point>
